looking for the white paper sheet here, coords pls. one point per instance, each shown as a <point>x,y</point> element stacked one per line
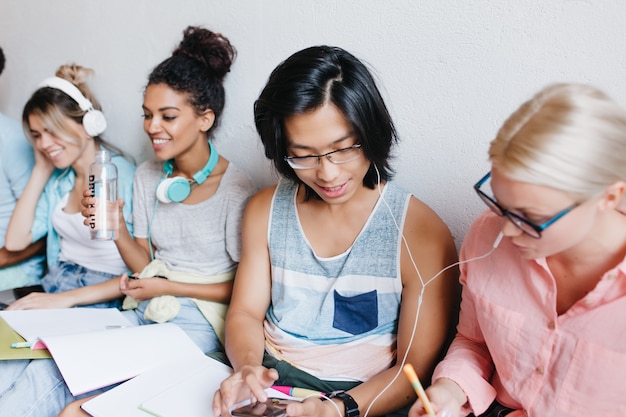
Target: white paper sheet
<point>93,360</point>
<point>191,394</point>
<point>33,324</point>
<point>182,387</point>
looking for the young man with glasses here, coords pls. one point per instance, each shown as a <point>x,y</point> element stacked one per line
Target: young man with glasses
<point>326,295</point>
<point>541,328</point>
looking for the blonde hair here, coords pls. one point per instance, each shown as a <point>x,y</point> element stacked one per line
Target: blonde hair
<point>52,106</point>
<point>78,76</point>
<point>570,137</point>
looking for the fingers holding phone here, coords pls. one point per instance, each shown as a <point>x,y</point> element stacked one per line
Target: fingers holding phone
<point>249,382</point>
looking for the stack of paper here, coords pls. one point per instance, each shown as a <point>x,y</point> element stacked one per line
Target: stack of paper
<point>94,348</point>
<point>166,374</point>
<point>36,324</point>
<point>182,387</point>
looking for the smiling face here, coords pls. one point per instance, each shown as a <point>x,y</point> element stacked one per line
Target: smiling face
<point>320,131</point>
<point>172,123</point>
<point>64,149</point>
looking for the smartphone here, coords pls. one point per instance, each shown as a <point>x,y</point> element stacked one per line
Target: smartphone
<point>23,291</point>
<point>273,407</point>
<point>156,276</point>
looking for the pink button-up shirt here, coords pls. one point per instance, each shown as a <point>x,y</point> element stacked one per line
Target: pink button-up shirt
<point>512,345</point>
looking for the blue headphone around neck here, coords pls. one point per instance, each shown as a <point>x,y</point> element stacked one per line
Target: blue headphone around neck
<point>176,189</point>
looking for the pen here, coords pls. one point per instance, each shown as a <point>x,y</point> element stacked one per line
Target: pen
<point>22,344</point>
<point>297,392</point>
<point>419,390</point>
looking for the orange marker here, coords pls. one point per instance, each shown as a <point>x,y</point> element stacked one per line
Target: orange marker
<point>419,390</point>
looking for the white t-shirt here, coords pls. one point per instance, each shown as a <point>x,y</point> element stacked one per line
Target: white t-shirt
<point>77,246</point>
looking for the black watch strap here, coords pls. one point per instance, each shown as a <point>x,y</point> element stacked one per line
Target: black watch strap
<point>351,407</point>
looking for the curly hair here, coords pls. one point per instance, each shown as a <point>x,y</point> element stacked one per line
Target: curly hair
<point>197,68</point>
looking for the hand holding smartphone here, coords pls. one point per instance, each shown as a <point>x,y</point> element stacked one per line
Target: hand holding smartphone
<point>273,407</point>
<point>24,291</point>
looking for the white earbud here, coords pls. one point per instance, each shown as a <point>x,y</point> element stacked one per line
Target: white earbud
<point>496,242</point>
<point>377,174</point>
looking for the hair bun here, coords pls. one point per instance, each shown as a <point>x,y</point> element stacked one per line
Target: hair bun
<point>211,49</point>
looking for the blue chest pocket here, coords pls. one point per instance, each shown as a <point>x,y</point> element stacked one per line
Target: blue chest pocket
<point>356,314</point>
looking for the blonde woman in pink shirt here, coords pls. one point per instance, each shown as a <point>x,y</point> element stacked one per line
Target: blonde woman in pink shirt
<point>542,329</point>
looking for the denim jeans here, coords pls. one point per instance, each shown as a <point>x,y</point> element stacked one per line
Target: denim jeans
<point>66,276</point>
<point>35,388</point>
<point>189,318</point>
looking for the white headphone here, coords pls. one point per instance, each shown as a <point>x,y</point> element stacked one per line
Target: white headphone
<point>93,121</point>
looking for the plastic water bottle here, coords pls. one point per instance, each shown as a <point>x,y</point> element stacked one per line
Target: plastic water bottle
<point>104,224</point>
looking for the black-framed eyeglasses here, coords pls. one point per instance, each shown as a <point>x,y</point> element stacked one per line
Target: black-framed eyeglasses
<point>340,156</point>
<point>525,225</point>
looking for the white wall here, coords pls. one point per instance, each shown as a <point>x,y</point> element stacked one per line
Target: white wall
<point>451,71</point>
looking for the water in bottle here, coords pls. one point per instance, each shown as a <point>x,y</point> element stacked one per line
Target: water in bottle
<point>104,224</point>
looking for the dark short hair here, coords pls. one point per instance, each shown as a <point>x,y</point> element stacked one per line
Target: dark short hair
<point>2,61</point>
<point>311,78</point>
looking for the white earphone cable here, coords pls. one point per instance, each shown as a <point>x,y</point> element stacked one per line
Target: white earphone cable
<point>421,295</point>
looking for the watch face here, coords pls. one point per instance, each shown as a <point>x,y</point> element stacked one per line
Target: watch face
<point>351,407</point>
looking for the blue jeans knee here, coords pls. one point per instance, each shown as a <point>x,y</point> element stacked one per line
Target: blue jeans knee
<point>66,276</point>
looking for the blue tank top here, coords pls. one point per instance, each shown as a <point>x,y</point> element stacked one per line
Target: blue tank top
<point>336,317</point>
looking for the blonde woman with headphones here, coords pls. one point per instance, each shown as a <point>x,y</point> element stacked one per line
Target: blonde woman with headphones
<point>64,122</point>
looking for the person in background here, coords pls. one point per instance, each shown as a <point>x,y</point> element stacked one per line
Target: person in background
<point>541,327</point>
<point>340,279</point>
<point>24,267</point>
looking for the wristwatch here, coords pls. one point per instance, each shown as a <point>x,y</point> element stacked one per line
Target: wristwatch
<point>351,407</point>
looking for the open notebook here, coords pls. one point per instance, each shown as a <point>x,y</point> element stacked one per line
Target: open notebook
<point>102,350</point>
<point>8,337</point>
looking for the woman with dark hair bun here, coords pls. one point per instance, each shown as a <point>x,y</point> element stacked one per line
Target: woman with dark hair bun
<point>197,68</point>
<point>187,208</point>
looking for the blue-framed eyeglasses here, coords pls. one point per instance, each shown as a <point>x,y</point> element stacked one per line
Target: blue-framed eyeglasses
<point>525,225</point>
<point>340,156</point>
